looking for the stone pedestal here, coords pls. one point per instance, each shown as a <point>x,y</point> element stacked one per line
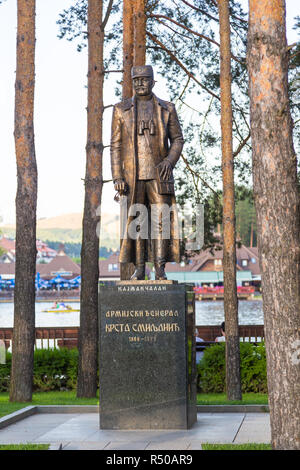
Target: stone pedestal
<point>147,356</point>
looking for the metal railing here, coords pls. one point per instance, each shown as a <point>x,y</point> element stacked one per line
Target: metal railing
<point>49,337</point>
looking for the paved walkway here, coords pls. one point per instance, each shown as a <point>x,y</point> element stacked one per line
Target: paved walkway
<point>80,431</point>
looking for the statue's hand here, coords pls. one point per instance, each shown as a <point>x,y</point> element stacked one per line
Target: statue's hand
<point>165,169</point>
<point>120,186</point>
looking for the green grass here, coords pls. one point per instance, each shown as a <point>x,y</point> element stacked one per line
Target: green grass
<point>62,398</point>
<point>7,408</point>
<point>69,398</point>
<point>24,447</point>
<point>249,446</point>
<point>220,399</point>
<point>45,398</point>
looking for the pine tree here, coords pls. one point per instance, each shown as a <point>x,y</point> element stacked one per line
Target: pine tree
<point>88,335</point>
<point>276,196</point>
<point>26,201</point>
<point>233,379</point>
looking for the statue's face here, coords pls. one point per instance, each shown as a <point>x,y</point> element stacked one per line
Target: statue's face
<point>143,86</point>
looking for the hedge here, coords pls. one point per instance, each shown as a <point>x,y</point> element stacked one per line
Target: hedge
<point>211,369</point>
<point>54,369</point>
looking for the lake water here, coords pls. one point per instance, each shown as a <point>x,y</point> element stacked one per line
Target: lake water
<point>207,313</point>
<point>212,312</point>
<point>41,318</point>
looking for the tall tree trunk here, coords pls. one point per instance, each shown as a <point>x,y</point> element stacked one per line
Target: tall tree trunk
<point>278,214</point>
<point>251,235</point>
<point>26,200</point>
<point>233,382</point>
<point>139,56</point>
<point>127,48</point>
<point>88,336</point>
<point>127,269</point>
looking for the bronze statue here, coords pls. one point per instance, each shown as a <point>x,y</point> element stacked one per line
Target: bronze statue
<point>146,142</point>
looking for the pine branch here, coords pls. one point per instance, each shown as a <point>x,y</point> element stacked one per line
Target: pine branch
<point>194,173</point>
<point>241,145</point>
<point>210,16</point>
<point>202,36</point>
<point>188,106</point>
<point>200,11</point>
<point>186,28</point>
<point>173,30</point>
<point>294,55</point>
<point>173,57</point>
<point>237,108</point>
<point>184,89</point>
<point>107,15</point>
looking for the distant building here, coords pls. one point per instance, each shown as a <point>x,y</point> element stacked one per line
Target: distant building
<point>206,268</point>
<point>60,265</point>
<point>109,268</point>
<point>44,253</point>
<point>7,270</point>
<point>8,245</point>
<point>203,269</point>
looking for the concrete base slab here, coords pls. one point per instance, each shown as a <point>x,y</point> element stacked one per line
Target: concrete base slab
<point>17,416</point>
<point>80,431</point>
<point>78,445</point>
<point>127,445</point>
<point>255,428</point>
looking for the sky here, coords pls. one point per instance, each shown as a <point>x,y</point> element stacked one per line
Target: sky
<point>60,113</point>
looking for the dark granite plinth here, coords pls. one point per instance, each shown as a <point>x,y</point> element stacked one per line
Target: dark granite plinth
<point>147,356</point>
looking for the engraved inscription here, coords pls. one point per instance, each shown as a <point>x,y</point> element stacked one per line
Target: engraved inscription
<point>141,327</point>
<point>145,339</point>
<point>143,288</point>
<point>140,313</point>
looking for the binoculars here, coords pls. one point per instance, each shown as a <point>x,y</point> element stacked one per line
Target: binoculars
<point>146,125</point>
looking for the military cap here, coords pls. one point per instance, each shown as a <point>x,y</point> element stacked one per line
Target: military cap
<point>142,71</point>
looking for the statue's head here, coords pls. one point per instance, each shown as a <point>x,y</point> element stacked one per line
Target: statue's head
<point>143,79</point>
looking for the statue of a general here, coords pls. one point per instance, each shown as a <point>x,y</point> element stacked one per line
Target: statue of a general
<point>146,142</point>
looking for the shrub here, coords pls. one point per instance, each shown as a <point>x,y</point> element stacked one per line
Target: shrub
<point>253,368</point>
<point>211,369</point>
<point>54,369</point>
<point>5,374</point>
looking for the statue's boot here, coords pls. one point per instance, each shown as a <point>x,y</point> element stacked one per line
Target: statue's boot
<point>139,273</point>
<point>160,274</point>
<point>160,256</point>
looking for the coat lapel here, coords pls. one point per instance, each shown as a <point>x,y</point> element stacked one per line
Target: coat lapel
<point>130,118</point>
<point>129,109</point>
<point>162,113</point>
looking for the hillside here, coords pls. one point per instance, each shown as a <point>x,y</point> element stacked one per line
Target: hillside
<point>67,228</point>
<point>65,221</point>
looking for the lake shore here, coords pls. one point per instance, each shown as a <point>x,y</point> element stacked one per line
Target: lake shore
<point>207,313</point>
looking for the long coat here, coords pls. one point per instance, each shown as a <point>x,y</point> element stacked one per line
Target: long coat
<point>124,160</point>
